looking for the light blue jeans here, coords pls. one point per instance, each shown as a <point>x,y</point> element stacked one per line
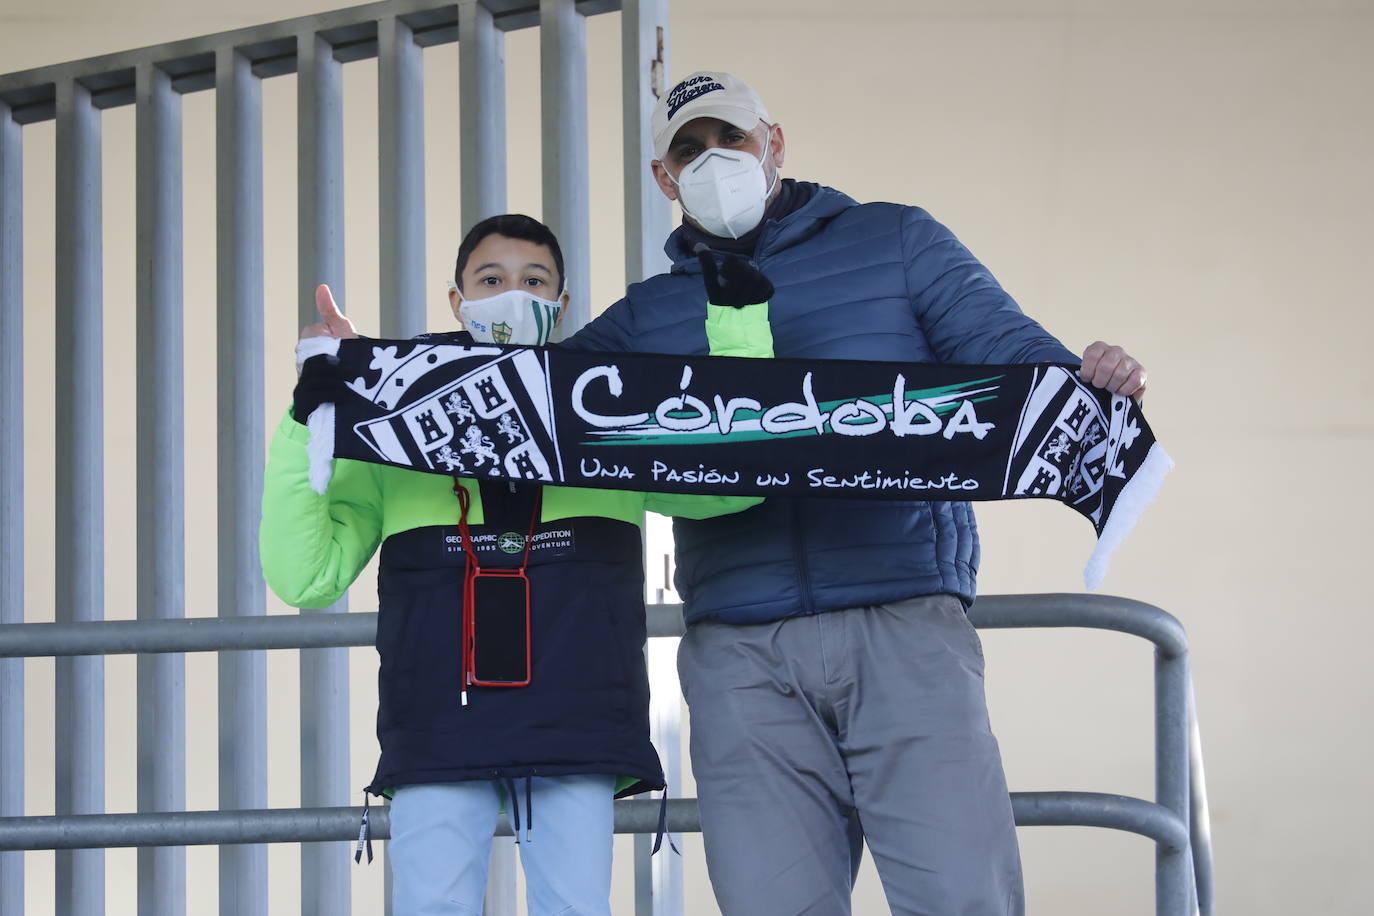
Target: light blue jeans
<point>441,842</point>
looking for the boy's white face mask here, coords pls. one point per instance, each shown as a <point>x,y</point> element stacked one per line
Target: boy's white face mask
<point>513,317</point>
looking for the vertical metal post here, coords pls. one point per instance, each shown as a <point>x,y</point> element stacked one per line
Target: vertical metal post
<point>644,62</point>
<point>11,492</point>
<point>481,113</point>
<point>160,499</point>
<point>242,675</point>
<point>563,100</point>
<point>401,182</point>
<point>320,179</point>
<point>665,730</point>
<point>644,874</point>
<point>644,68</point>
<point>80,517</point>
<point>1173,868</point>
<point>1201,823</point>
<point>501,899</point>
<point>325,879</point>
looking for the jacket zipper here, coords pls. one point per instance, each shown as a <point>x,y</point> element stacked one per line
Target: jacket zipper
<point>799,551</point>
<point>808,605</point>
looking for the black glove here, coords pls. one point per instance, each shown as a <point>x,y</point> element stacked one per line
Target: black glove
<point>732,279</point>
<point>320,382</point>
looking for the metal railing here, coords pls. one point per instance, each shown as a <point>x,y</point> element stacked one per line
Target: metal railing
<point>233,66</point>
<point>1176,820</point>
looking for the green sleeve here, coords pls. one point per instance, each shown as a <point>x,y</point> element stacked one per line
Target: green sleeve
<point>742,331</point>
<point>314,546</point>
<point>731,331</point>
<point>685,505</point>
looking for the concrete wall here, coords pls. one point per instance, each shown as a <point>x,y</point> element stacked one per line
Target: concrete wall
<point>1191,180</point>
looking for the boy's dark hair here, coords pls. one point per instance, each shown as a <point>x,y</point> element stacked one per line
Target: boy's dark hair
<point>512,226</point>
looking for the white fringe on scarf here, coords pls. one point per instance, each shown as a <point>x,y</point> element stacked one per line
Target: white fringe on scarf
<point>1134,499</point>
<point>321,419</point>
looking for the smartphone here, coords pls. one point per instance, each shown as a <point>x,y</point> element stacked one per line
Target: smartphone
<point>500,629</point>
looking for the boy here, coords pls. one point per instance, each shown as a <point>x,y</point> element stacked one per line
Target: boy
<point>572,738</point>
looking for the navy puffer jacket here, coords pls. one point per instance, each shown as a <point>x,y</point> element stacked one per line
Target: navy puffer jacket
<point>873,281</point>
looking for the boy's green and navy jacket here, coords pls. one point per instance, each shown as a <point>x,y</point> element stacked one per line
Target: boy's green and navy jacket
<point>586,708</point>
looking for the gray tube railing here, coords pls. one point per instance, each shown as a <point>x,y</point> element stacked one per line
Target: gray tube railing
<point>80,515</point>
<point>567,202</point>
<point>160,486</point>
<point>272,825</point>
<point>1183,881</point>
<point>324,776</point>
<point>242,676</point>
<point>11,493</point>
<point>1181,884</point>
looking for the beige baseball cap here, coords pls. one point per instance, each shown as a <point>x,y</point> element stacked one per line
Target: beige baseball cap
<point>706,94</point>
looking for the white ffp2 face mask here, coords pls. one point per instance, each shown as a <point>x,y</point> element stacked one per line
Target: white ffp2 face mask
<point>512,317</point>
<point>725,191</point>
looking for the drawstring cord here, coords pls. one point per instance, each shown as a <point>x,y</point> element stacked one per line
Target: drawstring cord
<point>514,807</point>
<point>663,826</point>
<point>364,835</point>
<point>529,809</point>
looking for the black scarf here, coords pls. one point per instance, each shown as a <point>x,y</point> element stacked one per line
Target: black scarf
<point>720,425</point>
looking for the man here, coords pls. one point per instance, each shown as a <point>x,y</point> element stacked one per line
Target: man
<point>833,678</point>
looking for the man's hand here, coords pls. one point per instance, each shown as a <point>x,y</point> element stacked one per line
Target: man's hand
<point>334,323</point>
<point>1113,369</point>
<point>732,279</point>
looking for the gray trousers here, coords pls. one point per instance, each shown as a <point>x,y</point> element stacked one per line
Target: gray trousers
<point>873,716</point>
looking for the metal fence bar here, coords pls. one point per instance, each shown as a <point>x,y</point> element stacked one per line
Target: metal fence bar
<point>1200,823</point>
<point>325,886</point>
<point>1174,883</point>
<point>401,179</point>
<point>1168,827</point>
<point>320,175</point>
<point>481,113</point>
<point>270,825</point>
<point>225,634</point>
<point>563,102</point>
<point>160,497</point>
<point>80,502</point>
<point>194,634</point>
<point>1100,612</point>
<point>242,675</point>
<point>294,825</point>
<point>501,899</point>
<point>30,93</point>
<point>644,67</point>
<point>1096,809</point>
<point>665,729</point>
<point>11,492</point>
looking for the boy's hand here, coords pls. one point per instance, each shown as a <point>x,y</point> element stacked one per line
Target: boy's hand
<point>320,382</point>
<point>732,279</point>
<point>334,324</point>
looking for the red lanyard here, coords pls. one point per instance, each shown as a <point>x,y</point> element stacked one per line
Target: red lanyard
<point>467,637</point>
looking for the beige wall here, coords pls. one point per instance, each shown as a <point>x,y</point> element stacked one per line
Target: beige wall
<point>1189,179</point>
